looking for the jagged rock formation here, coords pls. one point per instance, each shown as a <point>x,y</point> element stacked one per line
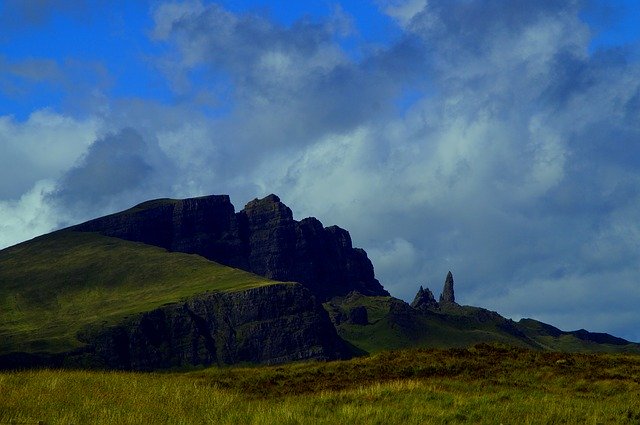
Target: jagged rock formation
<point>270,324</point>
<point>424,300</point>
<point>263,238</point>
<point>448,296</point>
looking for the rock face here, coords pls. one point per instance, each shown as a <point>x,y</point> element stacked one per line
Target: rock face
<point>270,324</point>
<point>424,300</point>
<point>263,238</point>
<point>448,296</point>
<point>206,226</point>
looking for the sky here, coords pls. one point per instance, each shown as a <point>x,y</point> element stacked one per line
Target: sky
<point>498,139</point>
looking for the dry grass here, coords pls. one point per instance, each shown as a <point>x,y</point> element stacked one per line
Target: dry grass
<point>484,384</point>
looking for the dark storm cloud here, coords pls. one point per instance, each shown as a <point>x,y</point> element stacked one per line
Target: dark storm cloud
<point>115,169</point>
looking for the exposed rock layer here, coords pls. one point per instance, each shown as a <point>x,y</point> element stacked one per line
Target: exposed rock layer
<point>263,238</point>
<point>270,324</point>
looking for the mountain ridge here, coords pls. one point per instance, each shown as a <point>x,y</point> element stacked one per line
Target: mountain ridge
<point>145,289</point>
<point>263,238</point>
<point>395,324</point>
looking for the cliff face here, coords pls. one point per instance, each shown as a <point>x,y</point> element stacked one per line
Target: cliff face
<point>270,324</point>
<point>323,259</point>
<point>263,239</point>
<point>206,226</point>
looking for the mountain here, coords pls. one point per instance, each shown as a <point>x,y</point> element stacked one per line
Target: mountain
<point>83,299</point>
<point>172,283</point>
<point>263,238</point>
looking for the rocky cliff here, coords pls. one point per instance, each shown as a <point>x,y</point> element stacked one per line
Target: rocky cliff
<point>269,324</point>
<point>263,238</point>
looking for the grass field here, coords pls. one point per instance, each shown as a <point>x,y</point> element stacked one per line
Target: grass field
<point>483,384</point>
<point>53,286</point>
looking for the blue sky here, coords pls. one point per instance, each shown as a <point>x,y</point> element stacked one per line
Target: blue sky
<point>499,139</point>
<point>118,40</point>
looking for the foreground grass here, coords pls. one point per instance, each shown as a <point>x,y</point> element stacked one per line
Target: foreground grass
<point>53,286</point>
<point>484,384</point>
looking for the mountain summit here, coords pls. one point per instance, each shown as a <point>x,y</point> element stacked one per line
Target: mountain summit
<point>263,238</point>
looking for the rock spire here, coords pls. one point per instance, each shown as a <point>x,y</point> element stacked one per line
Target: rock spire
<point>448,296</point>
<point>424,300</point>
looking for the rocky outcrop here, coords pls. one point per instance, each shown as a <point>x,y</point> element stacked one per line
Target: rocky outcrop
<point>358,315</point>
<point>263,239</point>
<point>448,296</point>
<point>424,300</point>
<point>271,324</point>
<point>322,259</point>
<point>207,226</point>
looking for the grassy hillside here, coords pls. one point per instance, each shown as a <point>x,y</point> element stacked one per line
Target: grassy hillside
<point>55,285</point>
<point>393,325</point>
<point>482,384</point>
<point>551,338</point>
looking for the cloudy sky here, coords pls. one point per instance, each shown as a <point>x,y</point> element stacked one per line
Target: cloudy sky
<point>499,139</point>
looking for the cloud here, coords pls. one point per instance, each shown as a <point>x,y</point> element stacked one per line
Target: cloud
<point>404,11</point>
<point>490,138</point>
<point>19,14</point>
<point>76,84</point>
<point>294,84</point>
<point>27,217</point>
<point>117,168</point>
<point>40,148</point>
<point>511,169</point>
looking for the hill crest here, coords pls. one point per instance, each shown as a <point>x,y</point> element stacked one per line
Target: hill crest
<point>263,238</point>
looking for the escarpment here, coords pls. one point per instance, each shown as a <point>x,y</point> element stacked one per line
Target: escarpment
<point>263,238</point>
<point>270,324</point>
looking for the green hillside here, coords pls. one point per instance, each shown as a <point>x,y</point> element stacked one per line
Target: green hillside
<point>58,284</point>
<point>393,325</point>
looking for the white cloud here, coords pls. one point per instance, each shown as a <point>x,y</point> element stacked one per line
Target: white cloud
<point>42,147</point>
<point>166,15</point>
<point>404,10</point>
<point>27,217</point>
<point>515,166</point>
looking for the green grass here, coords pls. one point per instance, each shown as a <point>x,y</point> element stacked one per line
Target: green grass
<point>392,326</point>
<point>482,384</point>
<point>56,285</point>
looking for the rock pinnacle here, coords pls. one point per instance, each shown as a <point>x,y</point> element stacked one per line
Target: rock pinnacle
<point>447,295</point>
